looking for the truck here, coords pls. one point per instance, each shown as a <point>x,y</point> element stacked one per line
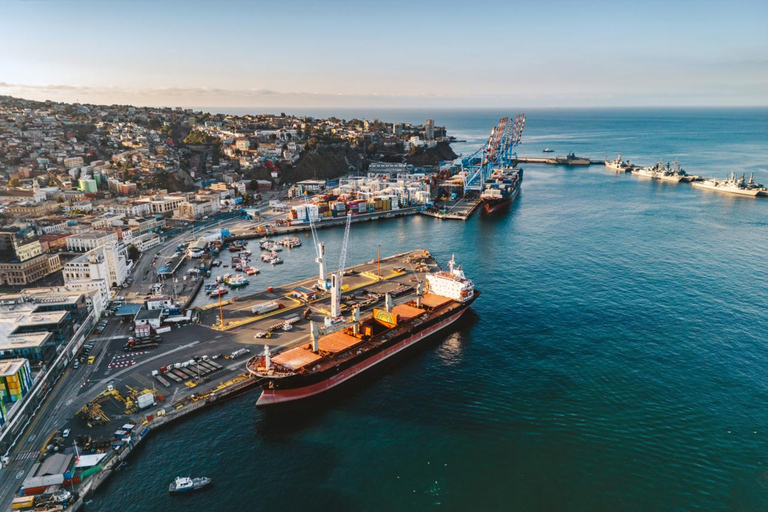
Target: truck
<point>143,343</point>
<point>266,307</point>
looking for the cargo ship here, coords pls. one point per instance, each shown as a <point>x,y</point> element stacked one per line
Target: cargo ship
<point>501,189</point>
<point>329,360</point>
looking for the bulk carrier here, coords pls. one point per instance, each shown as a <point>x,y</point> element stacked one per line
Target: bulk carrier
<point>501,188</point>
<point>329,360</point>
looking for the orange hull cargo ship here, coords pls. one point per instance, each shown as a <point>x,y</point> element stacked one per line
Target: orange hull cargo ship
<point>329,360</point>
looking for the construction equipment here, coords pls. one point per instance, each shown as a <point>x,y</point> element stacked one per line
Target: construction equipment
<point>497,152</point>
<point>338,277</point>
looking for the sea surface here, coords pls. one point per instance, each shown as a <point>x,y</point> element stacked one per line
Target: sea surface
<point>616,360</point>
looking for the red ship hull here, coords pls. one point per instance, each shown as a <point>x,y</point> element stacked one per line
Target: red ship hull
<point>277,396</point>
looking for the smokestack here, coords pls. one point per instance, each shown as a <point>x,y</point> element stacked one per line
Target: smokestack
<point>388,302</point>
<point>315,336</point>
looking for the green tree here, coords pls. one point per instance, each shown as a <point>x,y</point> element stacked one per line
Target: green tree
<point>133,253</point>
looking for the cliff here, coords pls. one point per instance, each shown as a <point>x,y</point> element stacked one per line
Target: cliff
<point>325,162</point>
<point>422,157</point>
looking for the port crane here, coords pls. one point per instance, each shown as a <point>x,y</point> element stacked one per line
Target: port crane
<point>338,277</point>
<point>497,152</point>
<point>319,248</point>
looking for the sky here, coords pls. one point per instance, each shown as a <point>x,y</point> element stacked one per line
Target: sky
<point>393,53</point>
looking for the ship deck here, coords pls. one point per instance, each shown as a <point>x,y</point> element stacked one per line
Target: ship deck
<point>301,359</point>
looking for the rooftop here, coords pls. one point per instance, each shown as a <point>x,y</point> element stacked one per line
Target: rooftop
<point>9,367</point>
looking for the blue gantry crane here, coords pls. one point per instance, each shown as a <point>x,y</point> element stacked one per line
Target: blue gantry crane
<point>497,152</point>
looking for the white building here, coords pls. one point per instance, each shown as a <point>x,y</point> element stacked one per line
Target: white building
<point>89,240</point>
<point>108,262</point>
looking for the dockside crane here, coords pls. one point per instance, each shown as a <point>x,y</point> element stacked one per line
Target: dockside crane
<point>319,249</point>
<point>497,152</point>
<point>338,277</point>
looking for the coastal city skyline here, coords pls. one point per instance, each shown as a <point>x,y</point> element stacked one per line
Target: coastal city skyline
<point>376,256</point>
<point>357,54</point>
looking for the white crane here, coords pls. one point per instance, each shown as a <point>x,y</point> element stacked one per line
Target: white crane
<point>338,277</point>
<point>319,247</point>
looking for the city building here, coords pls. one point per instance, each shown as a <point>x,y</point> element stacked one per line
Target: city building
<point>89,240</point>
<point>107,262</point>
<point>429,129</point>
<point>22,260</point>
<point>15,380</point>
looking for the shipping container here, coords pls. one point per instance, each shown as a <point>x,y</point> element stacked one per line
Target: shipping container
<point>265,307</point>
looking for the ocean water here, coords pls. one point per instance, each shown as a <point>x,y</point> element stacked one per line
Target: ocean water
<point>615,361</point>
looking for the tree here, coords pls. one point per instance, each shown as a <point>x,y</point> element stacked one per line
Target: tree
<point>133,253</point>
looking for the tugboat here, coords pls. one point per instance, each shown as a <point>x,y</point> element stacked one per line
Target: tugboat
<point>184,484</point>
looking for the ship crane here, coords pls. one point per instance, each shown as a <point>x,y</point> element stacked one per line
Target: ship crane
<point>496,153</point>
<point>319,248</point>
<point>338,277</point>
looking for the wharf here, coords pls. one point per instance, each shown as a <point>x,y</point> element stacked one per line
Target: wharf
<point>460,209</point>
<point>373,276</point>
<point>213,368</point>
<point>323,223</point>
<point>554,161</point>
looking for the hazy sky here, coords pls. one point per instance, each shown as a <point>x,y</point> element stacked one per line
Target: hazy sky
<point>326,53</point>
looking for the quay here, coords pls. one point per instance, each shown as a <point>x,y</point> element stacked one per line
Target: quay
<point>459,209</point>
<point>201,365</point>
<point>557,161</point>
<point>322,223</point>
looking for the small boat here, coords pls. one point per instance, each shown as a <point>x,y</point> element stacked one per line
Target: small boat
<point>182,484</point>
<point>218,292</point>
<point>548,150</point>
<point>210,287</point>
<point>251,271</point>
<point>276,261</point>
<point>290,242</point>
<point>237,282</point>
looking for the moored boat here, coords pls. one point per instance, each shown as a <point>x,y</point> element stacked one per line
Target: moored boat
<point>329,360</point>
<point>618,164</point>
<point>734,185</point>
<point>501,188</point>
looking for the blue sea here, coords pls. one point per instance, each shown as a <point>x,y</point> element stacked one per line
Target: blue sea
<point>616,360</point>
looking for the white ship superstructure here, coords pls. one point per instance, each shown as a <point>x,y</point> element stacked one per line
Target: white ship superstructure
<point>452,284</point>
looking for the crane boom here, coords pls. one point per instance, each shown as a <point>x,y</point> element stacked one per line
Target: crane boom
<point>338,278</point>
<point>319,247</point>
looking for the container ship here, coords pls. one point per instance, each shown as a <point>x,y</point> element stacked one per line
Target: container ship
<point>501,188</point>
<point>332,359</point>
